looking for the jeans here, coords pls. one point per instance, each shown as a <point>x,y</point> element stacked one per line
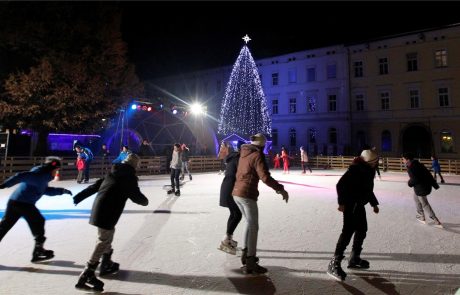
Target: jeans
<point>250,211</point>
<point>423,206</point>
<point>185,168</point>
<point>175,173</point>
<point>103,244</point>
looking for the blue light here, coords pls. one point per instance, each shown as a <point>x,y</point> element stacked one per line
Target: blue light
<point>133,106</point>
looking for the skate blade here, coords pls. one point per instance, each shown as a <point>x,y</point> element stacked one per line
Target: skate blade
<point>253,274</point>
<point>39,259</point>
<point>421,221</point>
<point>88,288</point>
<point>335,278</point>
<point>358,267</point>
<point>227,251</point>
<point>440,226</point>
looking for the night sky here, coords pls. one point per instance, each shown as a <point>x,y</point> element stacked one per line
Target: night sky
<point>166,38</point>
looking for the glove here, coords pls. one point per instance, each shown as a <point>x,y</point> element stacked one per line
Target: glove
<point>285,195</point>
<point>66,191</point>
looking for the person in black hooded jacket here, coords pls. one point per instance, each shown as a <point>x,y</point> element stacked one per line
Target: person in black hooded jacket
<point>422,181</point>
<point>112,193</point>
<point>354,191</point>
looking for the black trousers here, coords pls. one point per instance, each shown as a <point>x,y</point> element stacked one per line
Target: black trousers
<point>35,220</point>
<point>234,218</point>
<point>354,222</point>
<point>175,173</point>
<point>86,171</point>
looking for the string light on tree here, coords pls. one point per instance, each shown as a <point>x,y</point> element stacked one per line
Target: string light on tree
<point>244,108</point>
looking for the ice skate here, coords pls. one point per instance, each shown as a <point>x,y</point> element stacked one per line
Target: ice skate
<point>335,270</point>
<point>171,191</point>
<point>244,256</point>
<point>190,176</point>
<point>177,193</point>
<point>421,219</point>
<point>41,254</point>
<point>356,261</point>
<point>437,223</point>
<point>107,265</point>
<point>252,267</point>
<point>227,247</point>
<point>88,281</point>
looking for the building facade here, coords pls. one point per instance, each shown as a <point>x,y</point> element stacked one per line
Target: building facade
<point>398,93</point>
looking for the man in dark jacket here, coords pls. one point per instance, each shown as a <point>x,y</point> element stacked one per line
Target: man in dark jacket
<point>145,149</point>
<point>226,200</point>
<point>87,155</point>
<point>422,181</point>
<point>112,193</point>
<point>32,186</point>
<point>354,191</point>
<point>252,167</point>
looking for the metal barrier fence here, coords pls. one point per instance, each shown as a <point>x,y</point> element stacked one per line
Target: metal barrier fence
<point>160,165</point>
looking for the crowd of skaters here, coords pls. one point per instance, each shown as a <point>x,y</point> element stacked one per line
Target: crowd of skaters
<point>243,168</point>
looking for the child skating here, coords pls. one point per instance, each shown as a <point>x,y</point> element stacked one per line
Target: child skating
<point>32,186</point>
<point>112,193</point>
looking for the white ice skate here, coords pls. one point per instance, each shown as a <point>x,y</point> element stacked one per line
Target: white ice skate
<point>227,247</point>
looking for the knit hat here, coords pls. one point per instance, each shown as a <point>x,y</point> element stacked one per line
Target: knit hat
<point>259,139</point>
<point>132,160</point>
<point>53,162</point>
<point>369,156</point>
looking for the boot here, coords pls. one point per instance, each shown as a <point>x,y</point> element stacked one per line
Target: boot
<point>252,267</point>
<point>177,193</point>
<point>190,176</point>
<point>107,265</point>
<point>335,270</point>
<point>355,260</point>
<point>244,256</point>
<point>88,281</point>
<point>40,253</point>
<point>171,191</point>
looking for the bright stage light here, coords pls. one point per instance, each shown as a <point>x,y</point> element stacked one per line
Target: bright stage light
<point>133,106</point>
<point>197,109</point>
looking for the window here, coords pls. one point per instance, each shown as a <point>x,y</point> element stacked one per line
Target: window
<point>275,79</point>
<point>383,66</point>
<point>386,141</point>
<point>414,98</point>
<point>311,104</point>
<point>332,136</point>
<point>361,139</point>
<point>275,107</point>
<point>311,74</point>
<point>312,135</point>
<point>275,137</point>
<point>292,76</point>
<point>292,137</point>
<point>358,68</point>
<point>440,58</point>
<point>443,95</point>
<point>359,99</point>
<point>385,100</point>
<point>447,142</point>
<point>331,71</point>
<point>332,102</point>
<point>412,64</point>
<point>292,105</point>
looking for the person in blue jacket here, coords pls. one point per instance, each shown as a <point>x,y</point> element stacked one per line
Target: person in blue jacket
<point>33,185</point>
<point>87,155</point>
<point>123,155</point>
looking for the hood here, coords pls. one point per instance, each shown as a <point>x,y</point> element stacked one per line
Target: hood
<point>123,169</point>
<point>247,149</point>
<point>231,156</point>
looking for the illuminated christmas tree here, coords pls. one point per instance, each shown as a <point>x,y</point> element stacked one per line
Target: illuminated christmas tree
<point>244,108</point>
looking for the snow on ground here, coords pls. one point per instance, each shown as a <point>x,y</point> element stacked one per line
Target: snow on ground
<point>170,246</point>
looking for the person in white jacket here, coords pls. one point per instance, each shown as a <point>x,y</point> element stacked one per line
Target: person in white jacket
<point>176,166</point>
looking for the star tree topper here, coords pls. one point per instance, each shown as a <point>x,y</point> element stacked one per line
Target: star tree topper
<point>246,39</point>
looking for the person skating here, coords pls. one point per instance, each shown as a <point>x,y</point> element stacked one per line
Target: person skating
<point>112,191</point>
<point>436,168</point>
<point>252,167</point>
<point>87,155</point>
<point>125,151</point>
<point>422,181</point>
<point>224,150</point>
<point>32,186</point>
<point>354,191</point>
<point>304,160</point>
<point>185,157</point>
<point>175,165</point>
<point>226,200</point>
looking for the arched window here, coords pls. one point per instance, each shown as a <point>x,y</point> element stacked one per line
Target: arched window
<point>447,142</point>
<point>292,137</point>
<point>332,136</point>
<point>386,141</point>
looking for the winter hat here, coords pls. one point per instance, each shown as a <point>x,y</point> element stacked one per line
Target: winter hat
<point>132,160</point>
<point>369,156</point>
<point>53,162</point>
<point>259,139</point>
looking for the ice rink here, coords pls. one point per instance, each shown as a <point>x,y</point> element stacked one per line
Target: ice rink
<point>170,246</point>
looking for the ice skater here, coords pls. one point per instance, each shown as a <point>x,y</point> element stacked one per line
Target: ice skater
<point>276,161</point>
<point>436,168</point>
<point>354,191</point>
<point>32,186</point>
<point>304,160</point>
<point>285,156</point>
<point>87,156</point>
<point>176,166</point>
<point>112,193</point>
<point>185,157</point>
<point>226,200</point>
<point>252,168</point>
<point>422,181</point>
